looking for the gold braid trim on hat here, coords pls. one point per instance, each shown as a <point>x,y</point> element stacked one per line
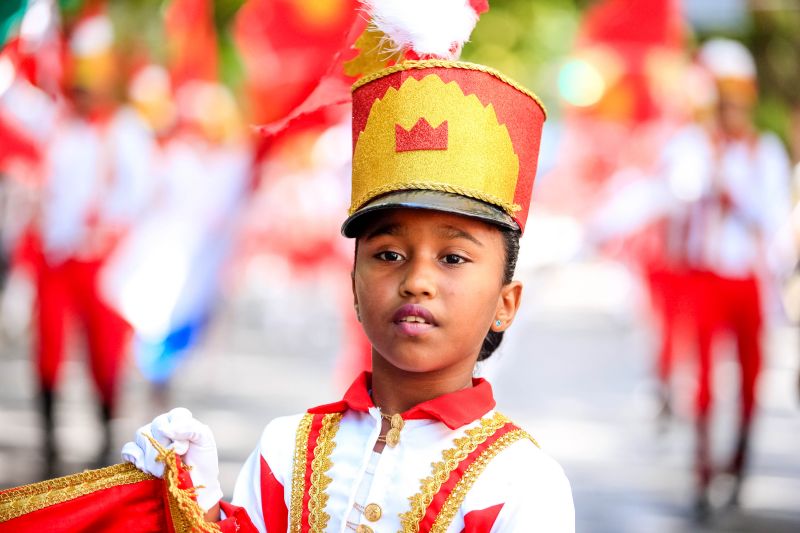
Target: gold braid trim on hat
<point>299,474</point>
<point>459,492</point>
<point>36,496</point>
<point>509,207</point>
<point>451,458</point>
<point>442,63</point>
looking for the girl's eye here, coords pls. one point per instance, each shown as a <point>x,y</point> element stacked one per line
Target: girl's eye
<point>454,259</point>
<point>389,256</point>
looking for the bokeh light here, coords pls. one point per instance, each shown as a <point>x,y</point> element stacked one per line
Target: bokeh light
<point>580,83</point>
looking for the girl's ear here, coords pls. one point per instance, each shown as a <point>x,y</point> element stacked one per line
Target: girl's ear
<point>355,296</point>
<point>507,305</point>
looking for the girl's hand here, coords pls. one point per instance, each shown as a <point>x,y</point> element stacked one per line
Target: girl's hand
<point>190,439</point>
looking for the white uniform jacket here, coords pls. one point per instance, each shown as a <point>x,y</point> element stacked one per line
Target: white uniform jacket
<point>459,466</point>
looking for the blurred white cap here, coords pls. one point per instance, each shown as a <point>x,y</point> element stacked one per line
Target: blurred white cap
<point>726,58</point>
<point>92,36</point>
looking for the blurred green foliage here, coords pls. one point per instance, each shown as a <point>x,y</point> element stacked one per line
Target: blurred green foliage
<point>138,27</point>
<point>141,34</point>
<point>527,40</point>
<point>774,36</point>
<point>11,12</point>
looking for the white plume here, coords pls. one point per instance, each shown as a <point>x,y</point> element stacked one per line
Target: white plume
<point>429,27</point>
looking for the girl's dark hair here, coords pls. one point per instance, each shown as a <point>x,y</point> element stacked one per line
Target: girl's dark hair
<point>511,244</point>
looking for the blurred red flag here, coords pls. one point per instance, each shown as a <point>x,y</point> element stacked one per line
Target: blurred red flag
<point>636,48</point>
<point>287,47</point>
<point>192,41</point>
<point>302,56</point>
<point>634,23</point>
<point>15,145</point>
<point>634,30</point>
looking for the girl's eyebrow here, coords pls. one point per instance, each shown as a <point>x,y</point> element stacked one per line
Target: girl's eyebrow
<point>447,231</point>
<point>453,232</point>
<point>390,228</point>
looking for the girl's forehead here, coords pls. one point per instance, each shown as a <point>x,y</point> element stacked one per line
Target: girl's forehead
<point>420,221</point>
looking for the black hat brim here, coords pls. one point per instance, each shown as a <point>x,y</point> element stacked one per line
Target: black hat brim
<point>430,200</point>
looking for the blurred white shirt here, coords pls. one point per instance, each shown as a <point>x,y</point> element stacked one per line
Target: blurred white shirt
<point>90,170</point>
<point>730,237</point>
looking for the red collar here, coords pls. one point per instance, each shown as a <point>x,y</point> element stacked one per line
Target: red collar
<point>455,409</point>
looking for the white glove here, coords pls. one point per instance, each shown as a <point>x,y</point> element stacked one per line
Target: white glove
<point>192,440</point>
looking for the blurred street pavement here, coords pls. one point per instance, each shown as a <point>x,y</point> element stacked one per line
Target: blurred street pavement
<point>574,373</point>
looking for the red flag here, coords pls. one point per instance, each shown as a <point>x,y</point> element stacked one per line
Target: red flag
<point>634,23</point>
<point>633,30</point>
<point>118,498</point>
<point>287,47</point>
<point>192,41</point>
<point>15,145</point>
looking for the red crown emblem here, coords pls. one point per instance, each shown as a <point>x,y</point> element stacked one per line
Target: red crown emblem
<point>422,136</point>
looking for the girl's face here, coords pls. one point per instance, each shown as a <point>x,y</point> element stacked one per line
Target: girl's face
<point>428,287</point>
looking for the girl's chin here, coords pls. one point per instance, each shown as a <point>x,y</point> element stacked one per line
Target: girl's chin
<point>415,363</point>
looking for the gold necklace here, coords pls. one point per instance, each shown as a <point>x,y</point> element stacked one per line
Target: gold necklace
<point>396,422</point>
<point>392,437</point>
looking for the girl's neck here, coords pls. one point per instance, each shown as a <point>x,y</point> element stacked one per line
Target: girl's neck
<point>397,391</point>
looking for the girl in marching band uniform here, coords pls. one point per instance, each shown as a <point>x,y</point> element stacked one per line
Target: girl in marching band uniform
<point>444,157</point>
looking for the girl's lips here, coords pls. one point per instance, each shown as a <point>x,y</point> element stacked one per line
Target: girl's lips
<point>411,310</point>
<point>413,327</point>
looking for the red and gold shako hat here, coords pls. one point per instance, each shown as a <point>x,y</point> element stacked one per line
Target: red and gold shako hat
<point>444,135</point>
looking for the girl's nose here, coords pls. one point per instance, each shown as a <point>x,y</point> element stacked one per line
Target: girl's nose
<point>419,280</point>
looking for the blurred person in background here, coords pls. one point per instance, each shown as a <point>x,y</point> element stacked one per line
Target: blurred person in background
<point>30,68</point>
<point>669,281</point>
<point>97,177</point>
<point>300,230</point>
<point>709,220</point>
<point>19,156</point>
<point>627,91</point>
<point>732,185</point>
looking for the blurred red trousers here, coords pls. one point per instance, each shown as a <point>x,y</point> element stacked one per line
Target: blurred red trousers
<point>727,305</point>
<point>671,297</point>
<point>69,293</point>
